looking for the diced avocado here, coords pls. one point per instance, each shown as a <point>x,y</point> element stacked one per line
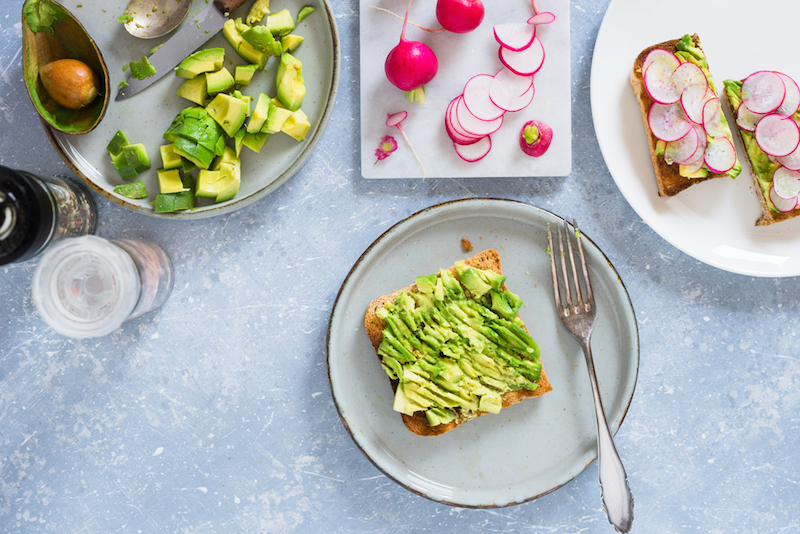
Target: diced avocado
<point>215,55</point>
<point>289,43</point>
<point>169,159</point>
<point>170,202</point>
<point>201,61</point>
<point>291,89</point>
<point>247,99</point>
<point>243,74</point>
<point>187,166</point>
<point>169,181</point>
<point>296,125</point>
<point>471,280</point>
<point>134,189</point>
<point>258,11</point>
<point>232,31</point>
<point>304,12</point>
<point>260,114</point>
<point>218,81</point>
<point>195,90</point>
<point>251,55</point>
<point>661,146</point>
<point>231,34</point>
<point>280,23</point>
<point>126,171</point>
<point>702,172</point>
<point>117,142</point>
<point>195,124</point>
<point>426,284</point>
<point>209,183</point>
<point>230,167</point>
<point>276,118</point>
<point>229,191</point>
<point>255,141</point>
<point>229,112</point>
<point>261,39</point>
<point>197,154</point>
<point>136,155</point>
<point>142,69</point>
<point>238,139</point>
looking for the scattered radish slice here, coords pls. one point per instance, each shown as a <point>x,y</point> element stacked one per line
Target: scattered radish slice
<point>682,150</point>
<point>473,125</point>
<point>667,61</point>
<point>720,156</point>
<point>763,92</point>
<point>792,161</point>
<point>781,204</point>
<point>660,85</point>
<point>477,100</point>
<point>474,152</point>
<point>542,18</point>
<point>668,122</point>
<point>777,135</point>
<point>692,101</point>
<point>689,75</point>
<point>791,101</point>
<point>525,62</point>
<point>746,119</point>
<point>515,36</point>
<point>786,183</point>
<point>396,118</point>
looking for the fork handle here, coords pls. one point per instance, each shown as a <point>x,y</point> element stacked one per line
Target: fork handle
<point>615,491</point>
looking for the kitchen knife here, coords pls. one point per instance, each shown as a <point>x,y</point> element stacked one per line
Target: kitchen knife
<point>189,38</point>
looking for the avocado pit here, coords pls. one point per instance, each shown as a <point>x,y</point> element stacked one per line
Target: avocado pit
<point>70,82</point>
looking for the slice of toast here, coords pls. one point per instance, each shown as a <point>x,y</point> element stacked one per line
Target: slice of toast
<point>668,177</point>
<point>418,423</point>
<point>768,216</point>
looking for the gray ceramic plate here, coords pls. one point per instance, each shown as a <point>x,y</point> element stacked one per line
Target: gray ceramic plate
<point>145,117</point>
<point>529,449</point>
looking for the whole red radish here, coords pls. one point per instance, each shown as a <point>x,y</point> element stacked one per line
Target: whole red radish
<point>459,16</point>
<point>535,138</point>
<point>410,65</point>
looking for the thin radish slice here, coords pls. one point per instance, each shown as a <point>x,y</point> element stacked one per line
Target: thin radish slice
<point>476,98</point>
<point>781,204</point>
<point>777,135</point>
<point>660,85</point>
<point>514,35</point>
<point>668,122</point>
<point>763,92</point>
<point>720,156</point>
<point>712,119</point>
<point>683,149</point>
<point>666,59</point>
<point>523,101</point>
<point>691,168</point>
<point>515,84</point>
<point>544,17</point>
<point>689,75</point>
<point>396,118</point>
<point>792,161</point>
<point>455,126</point>
<point>474,152</point>
<point>702,143</point>
<point>786,183</point>
<point>473,125</point>
<point>692,101</point>
<point>791,101</point>
<point>746,119</point>
<point>525,62</point>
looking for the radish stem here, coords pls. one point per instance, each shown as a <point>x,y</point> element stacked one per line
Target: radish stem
<point>423,28</point>
<point>399,127</point>
<point>535,9</point>
<point>405,21</point>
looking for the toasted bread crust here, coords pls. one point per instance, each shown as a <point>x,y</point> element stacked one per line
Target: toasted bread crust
<point>668,177</point>
<point>418,423</point>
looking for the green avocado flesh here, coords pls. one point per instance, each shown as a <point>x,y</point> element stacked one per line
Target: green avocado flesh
<point>456,345</point>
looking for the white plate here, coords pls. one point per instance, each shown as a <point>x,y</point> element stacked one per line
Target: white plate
<point>714,221</point>
<point>460,57</point>
<point>527,450</point>
<point>146,116</point>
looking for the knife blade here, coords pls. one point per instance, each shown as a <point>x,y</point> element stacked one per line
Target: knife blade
<point>189,38</point>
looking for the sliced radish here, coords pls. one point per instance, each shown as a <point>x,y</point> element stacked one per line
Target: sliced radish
<point>525,62</point>
<point>456,134</point>
<point>781,204</point>
<point>474,152</point>
<point>668,122</point>
<point>712,119</point>
<point>692,168</point>
<point>515,84</point>
<point>683,149</point>
<point>777,135</point>
<point>702,143</point>
<point>786,183</point>
<point>763,92</point>
<point>473,125</point>
<point>689,75</point>
<point>668,61</point>
<point>396,118</point>
<point>515,36</point>
<point>792,161</point>
<point>521,102</point>
<point>720,156</point>
<point>791,101</point>
<point>692,101</point>
<point>746,119</point>
<point>660,85</point>
<point>542,18</point>
<point>476,98</point>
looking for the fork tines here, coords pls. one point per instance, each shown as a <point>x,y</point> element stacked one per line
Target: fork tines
<point>580,304</point>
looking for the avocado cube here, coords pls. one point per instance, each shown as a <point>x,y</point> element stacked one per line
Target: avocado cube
<point>209,183</point>
<point>238,139</point>
<point>291,89</point>
<point>187,166</point>
<point>231,34</point>
<point>251,55</point>
<point>134,189</point>
<point>201,61</point>
<point>260,114</point>
<point>255,141</point>
<point>278,115</point>
<point>258,11</point>
<point>289,43</point>
<point>197,154</point>
<point>280,23</point>
<point>248,100</point>
<point>117,143</point>
<point>194,90</point>
<point>215,55</point>
<point>243,74</point>
<point>169,159</point>
<point>228,157</point>
<point>136,155</point>
<point>126,170</point>
<point>170,202</point>
<point>304,12</point>
<point>219,81</point>
<point>259,38</point>
<point>229,191</point>
<point>142,69</point>
<point>229,112</point>
<point>169,181</point>
<point>232,31</point>
<point>296,125</point>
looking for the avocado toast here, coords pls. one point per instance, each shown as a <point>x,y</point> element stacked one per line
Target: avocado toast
<point>454,346</point>
<point>689,139</point>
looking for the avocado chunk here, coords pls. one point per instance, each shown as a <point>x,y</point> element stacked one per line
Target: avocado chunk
<point>232,31</point>
<point>169,181</point>
<point>260,114</point>
<point>255,141</point>
<point>117,142</point>
<point>195,124</point>
<point>230,168</point>
<point>238,139</point>
<point>289,43</point>
<point>280,23</point>
<point>142,69</point>
<point>297,125</point>
<point>258,11</point>
<point>134,189</point>
<point>201,61</point>
<point>261,39</point>
<point>229,112</point>
<point>247,99</point>
<point>191,150</point>
<point>218,81</point>
<point>304,12</point>
<point>170,202</point>
<point>136,155</point>
<point>208,183</point>
<point>276,118</point>
<point>169,159</point>
<point>195,90</point>
<point>243,74</point>
<point>289,80</point>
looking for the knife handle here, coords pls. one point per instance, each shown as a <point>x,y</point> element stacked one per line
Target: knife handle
<point>228,6</point>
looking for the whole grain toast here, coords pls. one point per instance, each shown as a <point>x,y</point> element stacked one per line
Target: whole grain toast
<point>668,177</point>
<point>418,424</point>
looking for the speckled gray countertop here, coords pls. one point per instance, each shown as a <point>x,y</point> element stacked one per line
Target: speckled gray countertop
<point>214,414</point>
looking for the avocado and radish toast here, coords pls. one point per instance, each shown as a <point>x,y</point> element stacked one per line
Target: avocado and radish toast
<point>209,135</point>
<point>689,138</point>
<point>765,105</point>
<point>454,347</point>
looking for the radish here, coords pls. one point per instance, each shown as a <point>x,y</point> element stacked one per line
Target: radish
<point>394,119</point>
<point>689,75</point>
<point>474,152</point>
<point>693,99</point>
<point>456,133</point>
<point>682,150</point>
<point>712,118</point>
<point>660,85</point>
<point>746,119</point>
<point>763,91</point>
<point>792,161</point>
<point>666,60</point>
<point>781,204</point>
<point>668,122</point>
<point>477,100</point>
<point>535,138</point>
<point>410,65</point>
<point>720,156</point>
<point>525,62</point>
<point>777,135</point>
<point>542,18</point>
<point>786,183</point>
<point>521,102</point>
<point>515,36</point>
<point>791,101</point>
<point>473,125</point>
<point>459,16</point>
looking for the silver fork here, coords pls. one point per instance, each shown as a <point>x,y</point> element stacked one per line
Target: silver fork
<point>578,317</point>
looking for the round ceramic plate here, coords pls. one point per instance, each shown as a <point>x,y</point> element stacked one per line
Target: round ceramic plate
<point>713,221</point>
<point>146,116</point>
<point>529,449</point>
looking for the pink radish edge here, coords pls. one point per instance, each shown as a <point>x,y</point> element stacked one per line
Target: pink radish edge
<point>474,152</point>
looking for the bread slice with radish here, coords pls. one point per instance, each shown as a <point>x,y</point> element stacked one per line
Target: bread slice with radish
<point>766,105</point>
<point>689,138</point>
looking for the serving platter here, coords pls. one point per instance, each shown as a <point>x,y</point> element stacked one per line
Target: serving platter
<point>460,57</point>
<point>714,221</point>
<point>146,116</point>
<point>529,449</point>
